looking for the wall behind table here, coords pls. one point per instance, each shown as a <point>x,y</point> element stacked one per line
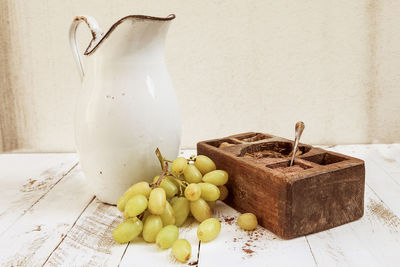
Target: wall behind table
<point>237,66</point>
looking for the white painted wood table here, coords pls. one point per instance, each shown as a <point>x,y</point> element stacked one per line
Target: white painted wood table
<point>48,217</point>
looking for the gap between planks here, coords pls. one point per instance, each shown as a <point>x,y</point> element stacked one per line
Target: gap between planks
<point>63,238</point>
<point>123,254</point>
<point>312,253</point>
<point>41,197</point>
<point>198,254</point>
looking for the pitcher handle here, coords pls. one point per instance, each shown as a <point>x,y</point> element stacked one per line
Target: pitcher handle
<point>97,34</point>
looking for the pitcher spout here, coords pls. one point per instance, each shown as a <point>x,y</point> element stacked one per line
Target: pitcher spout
<point>99,38</point>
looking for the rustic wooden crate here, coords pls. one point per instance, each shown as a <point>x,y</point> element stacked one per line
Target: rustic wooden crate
<point>325,189</point>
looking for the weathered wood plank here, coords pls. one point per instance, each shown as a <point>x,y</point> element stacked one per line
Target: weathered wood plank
<point>396,176</point>
<point>89,242</point>
<point>386,156</point>
<point>30,240</point>
<point>236,247</point>
<point>25,179</point>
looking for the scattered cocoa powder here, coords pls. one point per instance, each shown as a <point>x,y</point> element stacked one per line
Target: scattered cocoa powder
<point>248,251</point>
<point>229,220</point>
<point>264,154</point>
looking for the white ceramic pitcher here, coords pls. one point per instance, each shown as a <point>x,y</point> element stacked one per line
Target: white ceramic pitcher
<point>127,106</point>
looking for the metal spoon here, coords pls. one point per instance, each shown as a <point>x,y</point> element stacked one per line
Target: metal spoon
<point>298,131</point>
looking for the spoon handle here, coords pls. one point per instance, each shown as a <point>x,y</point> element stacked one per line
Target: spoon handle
<point>299,128</point>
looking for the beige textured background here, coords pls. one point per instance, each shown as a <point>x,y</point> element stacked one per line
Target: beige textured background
<point>237,66</point>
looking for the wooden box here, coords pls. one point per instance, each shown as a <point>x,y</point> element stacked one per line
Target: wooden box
<point>322,190</point>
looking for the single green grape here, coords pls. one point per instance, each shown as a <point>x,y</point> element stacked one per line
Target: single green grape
<point>223,190</point>
<point>168,217</point>
<point>192,174</point>
<point>173,180</point>
<point>157,201</point>
<point>167,236</point>
<point>170,188</point>
<point>192,192</point>
<point>136,205</point>
<point>208,230</point>
<point>209,192</point>
<point>217,177</point>
<point>141,188</point>
<point>178,166</point>
<point>181,208</point>
<point>247,221</point>
<point>200,209</point>
<point>152,226</point>
<point>181,249</point>
<point>204,164</point>
<point>127,230</point>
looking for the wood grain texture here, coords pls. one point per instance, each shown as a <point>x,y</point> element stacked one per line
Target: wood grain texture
<point>20,191</point>
<point>322,190</point>
<point>32,238</point>
<point>89,242</point>
<point>68,227</point>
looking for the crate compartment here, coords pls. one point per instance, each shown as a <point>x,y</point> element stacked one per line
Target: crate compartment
<point>284,167</point>
<point>270,150</point>
<point>253,137</point>
<point>324,158</point>
<point>227,142</point>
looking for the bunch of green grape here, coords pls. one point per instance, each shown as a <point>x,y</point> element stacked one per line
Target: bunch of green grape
<point>189,188</point>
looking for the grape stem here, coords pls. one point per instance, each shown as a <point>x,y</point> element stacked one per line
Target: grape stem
<point>160,158</point>
<point>164,173</point>
<point>164,166</point>
<point>140,217</point>
<point>182,185</point>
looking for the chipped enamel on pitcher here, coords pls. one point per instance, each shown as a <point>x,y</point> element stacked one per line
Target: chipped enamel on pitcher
<point>127,106</point>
